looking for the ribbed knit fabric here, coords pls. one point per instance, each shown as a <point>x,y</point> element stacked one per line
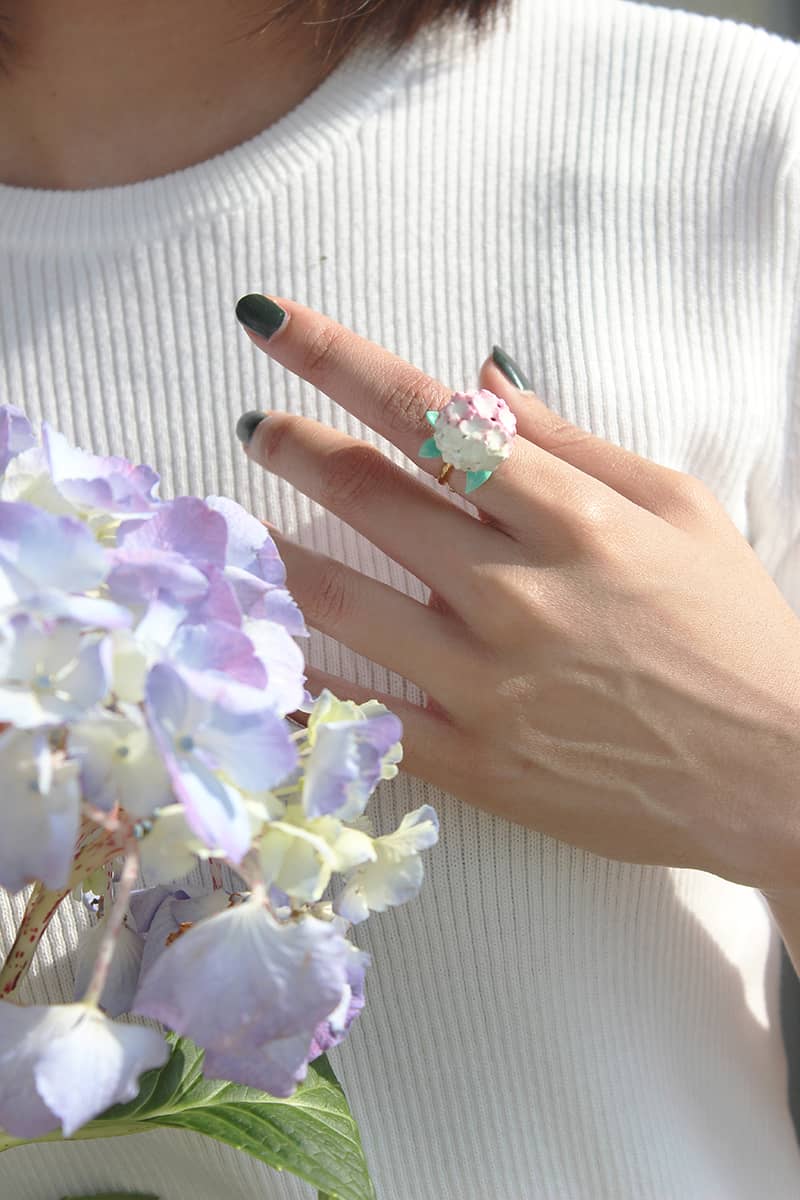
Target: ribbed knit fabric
<point>612,193</point>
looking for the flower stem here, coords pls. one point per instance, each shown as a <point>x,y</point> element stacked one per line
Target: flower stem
<point>114,923</point>
<point>91,853</point>
<point>42,903</point>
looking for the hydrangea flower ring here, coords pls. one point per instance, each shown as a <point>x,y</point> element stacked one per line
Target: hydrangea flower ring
<point>474,432</point>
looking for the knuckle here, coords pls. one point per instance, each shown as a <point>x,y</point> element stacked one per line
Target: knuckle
<point>320,351</point>
<point>561,436</point>
<point>272,433</point>
<point>592,519</point>
<point>690,495</point>
<point>406,400</point>
<point>332,598</point>
<point>351,477</point>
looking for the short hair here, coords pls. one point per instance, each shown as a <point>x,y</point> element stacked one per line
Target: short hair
<point>391,23</point>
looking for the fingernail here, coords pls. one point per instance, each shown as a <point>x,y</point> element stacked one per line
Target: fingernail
<point>247,424</point>
<point>260,314</point>
<point>510,369</point>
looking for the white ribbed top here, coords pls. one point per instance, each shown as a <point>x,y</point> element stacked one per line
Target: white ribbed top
<point>612,193</point>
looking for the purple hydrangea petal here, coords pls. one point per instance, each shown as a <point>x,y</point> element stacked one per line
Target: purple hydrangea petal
<point>123,974</point>
<point>178,908</point>
<point>23,1112</point>
<point>144,903</point>
<point>250,546</point>
<point>284,663</point>
<point>88,611</point>
<point>280,606</point>
<point>185,526</point>
<point>335,1027</point>
<point>214,811</point>
<point>40,551</point>
<point>345,764</point>
<point>93,1065</point>
<point>241,979</point>
<point>221,648</point>
<point>138,575</point>
<point>277,1067</point>
<point>87,680</point>
<point>254,749</point>
<point>16,434</point>
<point>95,481</point>
<point>39,810</point>
<point>65,1064</point>
<point>198,738</point>
<point>219,602</point>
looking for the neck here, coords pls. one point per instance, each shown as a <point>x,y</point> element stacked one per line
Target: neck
<point>99,93</point>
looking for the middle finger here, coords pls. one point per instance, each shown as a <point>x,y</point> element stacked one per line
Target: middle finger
<point>415,525</point>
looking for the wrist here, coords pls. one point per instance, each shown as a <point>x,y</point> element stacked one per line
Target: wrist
<point>787,899</point>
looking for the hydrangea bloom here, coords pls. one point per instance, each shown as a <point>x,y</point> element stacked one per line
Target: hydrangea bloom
<point>474,432</point>
<point>291,975</point>
<point>148,670</point>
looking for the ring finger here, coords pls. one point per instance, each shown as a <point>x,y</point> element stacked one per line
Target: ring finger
<point>415,525</point>
<point>529,494</point>
<point>369,617</point>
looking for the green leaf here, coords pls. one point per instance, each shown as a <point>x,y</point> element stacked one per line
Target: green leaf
<point>312,1134</point>
<point>114,1196</point>
<point>429,449</point>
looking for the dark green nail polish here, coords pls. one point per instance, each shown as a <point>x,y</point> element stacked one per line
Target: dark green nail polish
<point>260,314</point>
<point>246,425</point>
<point>510,369</point>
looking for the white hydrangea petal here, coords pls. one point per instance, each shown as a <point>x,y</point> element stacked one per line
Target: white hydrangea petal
<point>66,1063</point>
<point>170,849</point>
<point>396,873</point>
<point>39,810</point>
<point>121,764</point>
<point>351,848</point>
<point>379,885</point>
<point>295,859</point>
<point>93,1065</point>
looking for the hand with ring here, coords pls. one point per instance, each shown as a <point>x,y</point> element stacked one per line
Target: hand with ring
<point>603,657</point>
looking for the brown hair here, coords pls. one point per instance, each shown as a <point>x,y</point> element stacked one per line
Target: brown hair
<point>393,23</point>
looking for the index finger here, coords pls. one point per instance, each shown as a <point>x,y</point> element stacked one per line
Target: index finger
<point>381,389</point>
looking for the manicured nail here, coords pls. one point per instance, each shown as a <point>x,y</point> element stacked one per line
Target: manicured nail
<point>260,314</point>
<point>510,369</point>
<point>246,425</point>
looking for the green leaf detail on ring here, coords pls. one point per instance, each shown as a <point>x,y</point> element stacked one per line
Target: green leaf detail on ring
<point>429,449</point>
<point>431,415</point>
<point>475,479</point>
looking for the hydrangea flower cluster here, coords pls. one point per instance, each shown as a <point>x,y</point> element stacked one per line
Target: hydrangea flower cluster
<point>147,669</point>
<point>474,431</point>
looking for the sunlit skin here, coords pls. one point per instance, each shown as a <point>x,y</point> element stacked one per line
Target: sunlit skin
<point>102,95</point>
<point>604,657</point>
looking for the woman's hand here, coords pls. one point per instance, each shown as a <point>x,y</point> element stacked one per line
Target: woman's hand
<point>604,657</point>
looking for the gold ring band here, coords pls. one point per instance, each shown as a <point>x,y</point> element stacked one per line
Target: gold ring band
<point>445,471</point>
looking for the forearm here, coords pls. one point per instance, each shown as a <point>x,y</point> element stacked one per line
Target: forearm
<point>785,908</point>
